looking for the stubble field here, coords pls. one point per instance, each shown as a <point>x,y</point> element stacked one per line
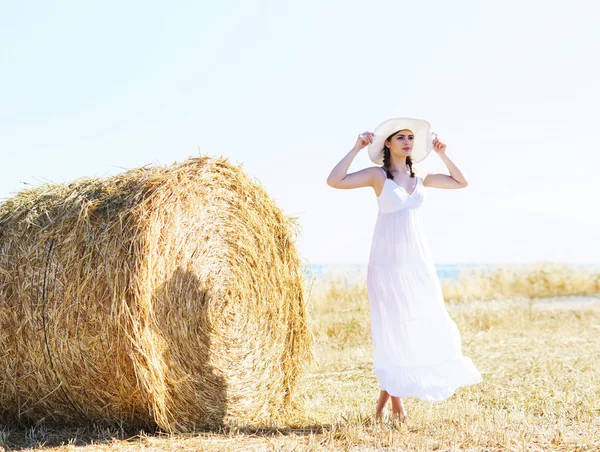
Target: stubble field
<point>539,358</point>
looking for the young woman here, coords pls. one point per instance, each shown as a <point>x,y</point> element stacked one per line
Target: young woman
<point>417,346</point>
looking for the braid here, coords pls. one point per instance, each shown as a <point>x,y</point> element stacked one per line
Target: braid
<point>386,162</point>
<point>409,162</point>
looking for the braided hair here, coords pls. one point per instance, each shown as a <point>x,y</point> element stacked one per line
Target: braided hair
<point>386,160</point>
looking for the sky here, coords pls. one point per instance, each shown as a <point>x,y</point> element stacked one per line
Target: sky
<point>513,88</point>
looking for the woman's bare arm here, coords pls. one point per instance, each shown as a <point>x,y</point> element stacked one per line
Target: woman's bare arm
<point>454,180</point>
<point>438,180</point>
<point>340,179</point>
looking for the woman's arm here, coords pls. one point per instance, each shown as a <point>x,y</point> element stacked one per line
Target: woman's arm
<point>454,180</point>
<point>338,178</point>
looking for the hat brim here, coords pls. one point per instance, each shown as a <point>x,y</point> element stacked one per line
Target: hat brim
<point>421,128</point>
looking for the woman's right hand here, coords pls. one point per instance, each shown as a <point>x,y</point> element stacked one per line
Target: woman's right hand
<point>363,140</point>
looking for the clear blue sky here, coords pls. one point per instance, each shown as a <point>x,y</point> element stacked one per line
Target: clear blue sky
<point>513,88</point>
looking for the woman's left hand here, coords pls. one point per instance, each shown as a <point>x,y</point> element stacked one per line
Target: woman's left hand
<point>438,145</point>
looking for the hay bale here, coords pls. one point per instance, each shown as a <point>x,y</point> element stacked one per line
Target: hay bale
<point>162,297</point>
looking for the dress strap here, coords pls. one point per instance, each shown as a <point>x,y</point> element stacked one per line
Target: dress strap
<point>383,169</point>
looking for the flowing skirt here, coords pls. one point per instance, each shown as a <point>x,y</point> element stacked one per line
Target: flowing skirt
<point>417,345</point>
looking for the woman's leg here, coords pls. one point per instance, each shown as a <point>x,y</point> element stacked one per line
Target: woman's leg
<point>383,398</point>
<point>398,409</point>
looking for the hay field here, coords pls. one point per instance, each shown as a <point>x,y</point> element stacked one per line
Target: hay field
<point>539,359</point>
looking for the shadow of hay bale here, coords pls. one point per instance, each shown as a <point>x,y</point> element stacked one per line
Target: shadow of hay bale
<point>93,435</point>
<point>160,297</point>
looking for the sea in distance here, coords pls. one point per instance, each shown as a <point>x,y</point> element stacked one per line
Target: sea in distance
<point>444,271</point>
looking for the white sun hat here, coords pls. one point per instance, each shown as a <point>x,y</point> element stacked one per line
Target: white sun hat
<point>420,128</point>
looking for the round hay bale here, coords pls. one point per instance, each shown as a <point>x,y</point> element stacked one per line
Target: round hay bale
<point>167,297</point>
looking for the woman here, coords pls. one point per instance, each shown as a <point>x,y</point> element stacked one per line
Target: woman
<point>417,346</point>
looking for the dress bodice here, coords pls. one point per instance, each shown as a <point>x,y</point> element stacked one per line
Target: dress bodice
<point>394,198</point>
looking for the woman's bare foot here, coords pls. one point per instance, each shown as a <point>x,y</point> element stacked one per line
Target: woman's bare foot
<point>399,413</point>
<point>400,417</point>
<point>383,398</point>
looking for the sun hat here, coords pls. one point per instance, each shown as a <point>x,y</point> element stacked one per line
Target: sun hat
<point>420,128</point>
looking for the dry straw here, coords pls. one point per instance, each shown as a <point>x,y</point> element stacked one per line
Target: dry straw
<point>167,297</point>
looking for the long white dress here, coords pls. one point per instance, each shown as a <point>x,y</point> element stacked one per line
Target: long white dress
<point>417,346</point>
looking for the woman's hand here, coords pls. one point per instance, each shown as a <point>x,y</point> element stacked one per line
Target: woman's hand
<point>438,145</point>
<point>363,140</point>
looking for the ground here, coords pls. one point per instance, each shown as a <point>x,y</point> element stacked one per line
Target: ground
<point>539,360</point>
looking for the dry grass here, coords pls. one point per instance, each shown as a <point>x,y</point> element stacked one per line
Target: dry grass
<point>509,282</point>
<point>540,363</point>
<point>163,296</point>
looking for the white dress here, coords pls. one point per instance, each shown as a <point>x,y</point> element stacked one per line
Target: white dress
<point>417,346</point>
